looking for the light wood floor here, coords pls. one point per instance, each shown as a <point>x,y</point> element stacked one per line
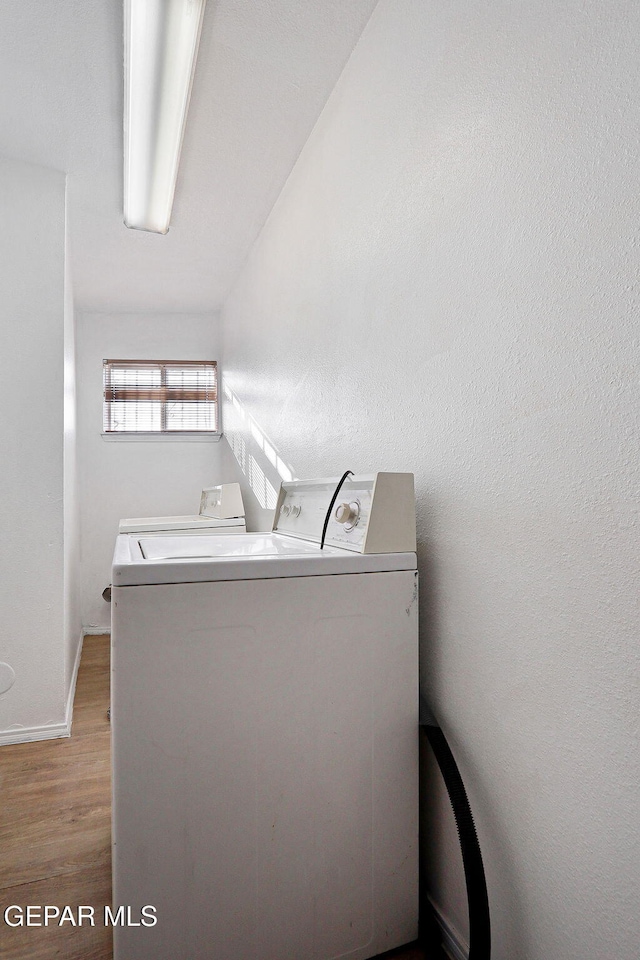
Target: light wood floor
<point>55,824</point>
<point>55,829</point>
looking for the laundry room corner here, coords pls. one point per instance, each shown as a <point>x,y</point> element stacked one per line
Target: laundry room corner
<point>120,478</point>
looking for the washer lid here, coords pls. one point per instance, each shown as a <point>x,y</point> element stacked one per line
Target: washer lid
<point>244,545</point>
<point>142,560</point>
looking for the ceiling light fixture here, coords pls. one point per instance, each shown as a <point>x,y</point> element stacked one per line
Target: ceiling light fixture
<point>161,40</point>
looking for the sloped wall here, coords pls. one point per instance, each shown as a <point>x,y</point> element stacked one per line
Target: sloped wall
<point>449,284</point>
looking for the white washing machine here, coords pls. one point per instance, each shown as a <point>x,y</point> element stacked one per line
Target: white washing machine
<point>265,733</point>
<point>221,512</point>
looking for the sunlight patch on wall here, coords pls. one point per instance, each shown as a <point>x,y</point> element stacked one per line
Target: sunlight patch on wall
<point>257,456</point>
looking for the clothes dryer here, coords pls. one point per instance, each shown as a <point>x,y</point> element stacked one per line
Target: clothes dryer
<point>221,512</point>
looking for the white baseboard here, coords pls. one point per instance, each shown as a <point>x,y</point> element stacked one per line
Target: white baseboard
<point>454,946</point>
<point>96,631</point>
<point>72,685</point>
<point>48,731</point>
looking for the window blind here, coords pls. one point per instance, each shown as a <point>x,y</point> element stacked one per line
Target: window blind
<point>160,396</point>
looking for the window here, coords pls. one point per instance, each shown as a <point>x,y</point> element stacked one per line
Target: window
<point>160,396</point>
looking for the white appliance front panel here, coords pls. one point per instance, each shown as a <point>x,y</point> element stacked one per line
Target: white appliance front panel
<point>303,504</point>
<point>265,788</point>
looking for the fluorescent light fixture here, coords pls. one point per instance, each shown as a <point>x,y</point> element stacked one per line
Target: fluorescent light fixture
<point>161,40</point>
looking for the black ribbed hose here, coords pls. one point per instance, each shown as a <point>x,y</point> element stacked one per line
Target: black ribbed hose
<point>477,899</point>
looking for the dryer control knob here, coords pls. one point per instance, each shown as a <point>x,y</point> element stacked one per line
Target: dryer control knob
<point>347,513</point>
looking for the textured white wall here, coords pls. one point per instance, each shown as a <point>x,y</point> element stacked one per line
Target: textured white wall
<point>121,478</point>
<point>449,284</point>
<point>32,212</point>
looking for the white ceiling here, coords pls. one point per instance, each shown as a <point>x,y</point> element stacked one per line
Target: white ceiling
<point>265,71</point>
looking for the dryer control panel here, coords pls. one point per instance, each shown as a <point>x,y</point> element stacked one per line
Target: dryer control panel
<point>372,513</point>
<point>222,502</point>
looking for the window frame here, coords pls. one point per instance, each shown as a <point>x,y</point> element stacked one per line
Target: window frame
<point>162,398</point>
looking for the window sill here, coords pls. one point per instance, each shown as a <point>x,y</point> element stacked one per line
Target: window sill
<point>162,437</point>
